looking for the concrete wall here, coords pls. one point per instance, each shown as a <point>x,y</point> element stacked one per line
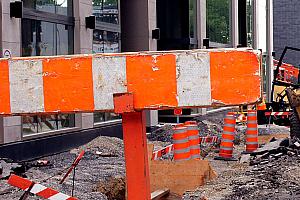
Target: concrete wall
<point>11,40</point>
<point>287,28</point>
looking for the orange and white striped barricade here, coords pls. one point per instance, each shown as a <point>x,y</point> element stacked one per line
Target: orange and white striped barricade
<point>251,132</point>
<point>194,141</point>
<point>160,153</point>
<point>37,189</point>
<point>181,144</point>
<point>226,146</point>
<point>129,84</point>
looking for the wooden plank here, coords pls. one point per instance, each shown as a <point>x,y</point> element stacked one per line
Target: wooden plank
<point>157,80</point>
<point>158,194</point>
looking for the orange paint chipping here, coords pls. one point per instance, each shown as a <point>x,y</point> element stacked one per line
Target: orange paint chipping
<point>68,84</point>
<point>152,80</point>
<point>231,75</point>
<point>4,88</point>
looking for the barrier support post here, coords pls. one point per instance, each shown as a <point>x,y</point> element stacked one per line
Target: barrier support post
<point>135,148</point>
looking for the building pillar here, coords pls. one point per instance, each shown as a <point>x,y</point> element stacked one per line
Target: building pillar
<point>269,66</point>
<point>10,39</point>
<point>234,23</point>
<point>83,37</point>
<point>201,22</point>
<point>138,19</point>
<point>83,44</point>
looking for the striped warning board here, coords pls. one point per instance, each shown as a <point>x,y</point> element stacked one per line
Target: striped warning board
<point>277,113</point>
<point>157,80</point>
<point>37,189</point>
<point>164,151</point>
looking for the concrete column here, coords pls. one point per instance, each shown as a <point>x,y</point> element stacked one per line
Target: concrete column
<point>10,35</point>
<point>201,22</point>
<point>138,19</point>
<point>269,67</point>
<point>83,37</point>
<point>234,23</point>
<point>83,43</point>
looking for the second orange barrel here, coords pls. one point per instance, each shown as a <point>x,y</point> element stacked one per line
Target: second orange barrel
<point>252,132</point>
<point>181,144</point>
<point>226,146</point>
<point>194,141</point>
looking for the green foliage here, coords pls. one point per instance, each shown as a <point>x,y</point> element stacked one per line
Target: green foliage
<point>218,21</point>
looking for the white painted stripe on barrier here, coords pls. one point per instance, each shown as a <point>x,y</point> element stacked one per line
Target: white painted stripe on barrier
<point>59,196</point>
<point>109,77</point>
<point>26,86</point>
<point>37,188</point>
<point>193,79</point>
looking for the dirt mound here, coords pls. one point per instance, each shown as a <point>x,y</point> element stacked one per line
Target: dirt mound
<point>114,188</point>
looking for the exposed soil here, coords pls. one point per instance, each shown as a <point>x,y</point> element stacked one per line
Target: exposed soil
<point>100,174</point>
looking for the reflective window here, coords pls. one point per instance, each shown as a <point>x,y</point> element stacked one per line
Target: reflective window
<point>46,123</point>
<point>249,22</point>
<point>62,7</point>
<point>103,117</point>
<point>41,38</point>
<point>218,22</point>
<point>106,11</point>
<point>105,42</point>
<point>193,23</point>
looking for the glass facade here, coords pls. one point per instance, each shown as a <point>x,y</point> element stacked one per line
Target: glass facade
<point>106,11</point>
<point>193,24</point>
<point>249,15</point>
<point>218,22</point>
<point>105,42</point>
<point>41,38</point>
<point>61,7</point>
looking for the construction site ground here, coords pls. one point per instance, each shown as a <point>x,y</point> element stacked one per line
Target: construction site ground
<point>100,174</point>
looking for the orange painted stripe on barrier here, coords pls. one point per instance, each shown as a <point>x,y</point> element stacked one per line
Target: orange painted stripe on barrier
<point>68,84</point>
<point>152,81</point>
<point>231,72</point>
<point>4,88</point>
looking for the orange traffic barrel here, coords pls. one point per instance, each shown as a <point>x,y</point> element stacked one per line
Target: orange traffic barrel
<point>190,122</point>
<point>226,146</point>
<point>181,144</point>
<point>179,125</point>
<point>252,132</point>
<point>194,140</point>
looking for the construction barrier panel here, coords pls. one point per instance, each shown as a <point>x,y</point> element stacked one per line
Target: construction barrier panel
<point>252,132</point>
<point>37,189</point>
<point>181,144</point>
<point>157,80</point>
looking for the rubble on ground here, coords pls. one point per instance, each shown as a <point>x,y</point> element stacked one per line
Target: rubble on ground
<point>272,172</point>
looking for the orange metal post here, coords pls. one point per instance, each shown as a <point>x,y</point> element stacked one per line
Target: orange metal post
<point>136,156</point>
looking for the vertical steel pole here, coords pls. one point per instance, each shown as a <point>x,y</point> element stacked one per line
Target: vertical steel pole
<point>136,156</point>
<point>269,66</point>
<point>234,23</point>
